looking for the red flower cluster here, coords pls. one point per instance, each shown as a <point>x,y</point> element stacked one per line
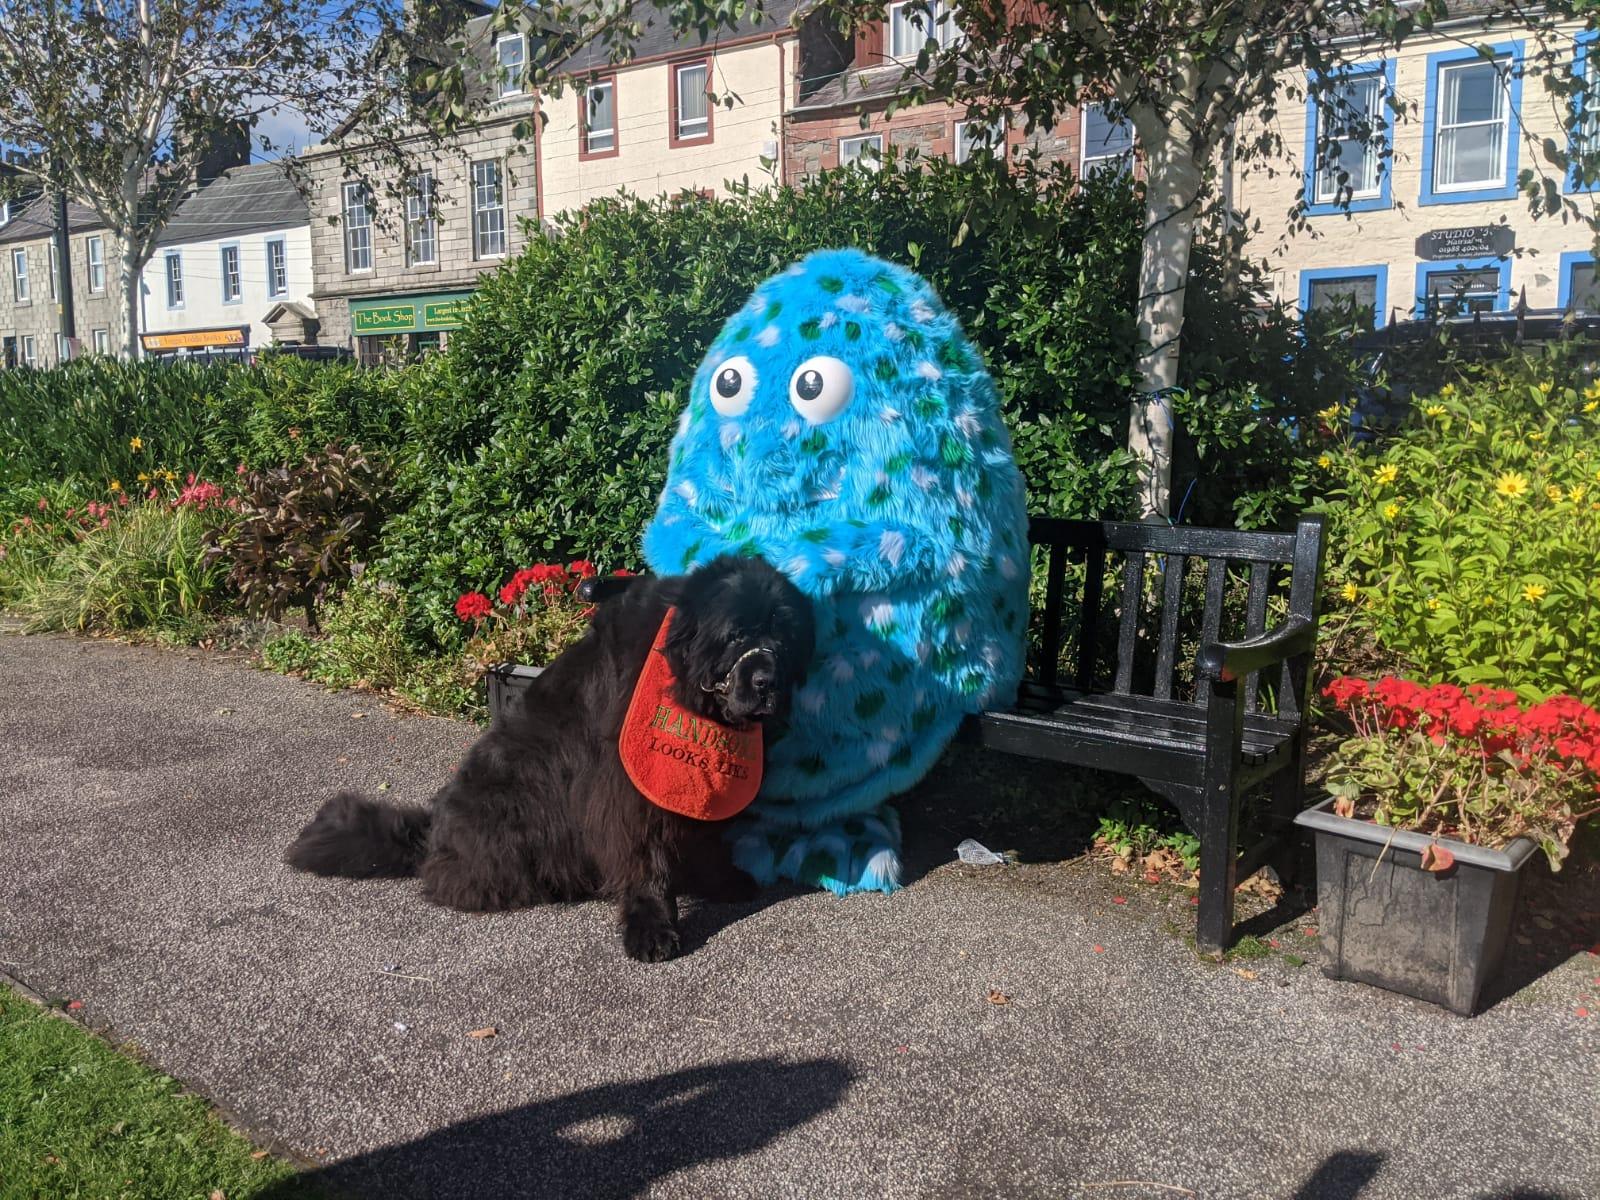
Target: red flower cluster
<point>1561,730</point>
<point>200,495</point>
<point>473,606</point>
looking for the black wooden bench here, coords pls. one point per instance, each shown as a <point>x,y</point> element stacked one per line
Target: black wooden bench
<point>1241,725</point>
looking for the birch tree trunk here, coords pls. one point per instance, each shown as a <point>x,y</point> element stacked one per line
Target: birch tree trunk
<point>1172,189</point>
<point>128,268</point>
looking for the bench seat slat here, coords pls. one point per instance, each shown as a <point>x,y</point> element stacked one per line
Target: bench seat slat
<point>1034,699</point>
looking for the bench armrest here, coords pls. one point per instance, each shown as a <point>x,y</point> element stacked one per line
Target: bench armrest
<point>1227,661</point>
<point>600,588</point>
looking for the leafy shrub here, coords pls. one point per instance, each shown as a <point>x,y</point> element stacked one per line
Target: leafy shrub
<point>1145,831</point>
<point>142,570</point>
<point>1467,543</point>
<point>1471,765</point>
<point>300,528</point>
<point>364,644</point>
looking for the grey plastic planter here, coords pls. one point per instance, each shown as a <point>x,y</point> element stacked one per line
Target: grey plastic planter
<point>1438,936</point>
<point>507,682</point>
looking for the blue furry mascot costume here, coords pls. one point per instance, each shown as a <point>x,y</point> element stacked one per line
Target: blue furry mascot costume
<point>842,428</point>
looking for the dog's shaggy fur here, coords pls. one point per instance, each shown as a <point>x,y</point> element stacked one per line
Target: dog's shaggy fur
<point>541,808</point>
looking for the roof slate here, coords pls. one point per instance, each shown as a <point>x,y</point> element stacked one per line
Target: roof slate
<point>239,201</point>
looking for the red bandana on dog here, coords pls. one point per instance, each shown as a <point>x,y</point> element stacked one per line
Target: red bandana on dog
<point>686,764</point>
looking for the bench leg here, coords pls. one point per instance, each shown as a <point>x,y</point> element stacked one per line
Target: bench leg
<point>1288,798</point>
<point>1219,832</point>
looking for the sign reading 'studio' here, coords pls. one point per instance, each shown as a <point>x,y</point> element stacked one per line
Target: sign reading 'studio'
<point>1470,241</point>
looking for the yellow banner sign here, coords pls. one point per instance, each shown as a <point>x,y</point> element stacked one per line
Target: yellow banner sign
<point>193,339</point>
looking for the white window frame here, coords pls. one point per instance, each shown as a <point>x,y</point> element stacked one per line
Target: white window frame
<point>592,144</point>
<point>488,209</point>
<point>54,255</point>
<point>21,288</point>
<point>1502,65</point>
<point>5,212</point>
<point>422,221</point>
<point>354,201</point>
<point>94,258</point>
<point>996,146</point>
<point>232,280</point>
<point>277,273</point>
<point>703,130</point>
<point>943,31</point>
<point>174,258</point>
<point>1088,164</point>
<point>30,350</point>
<point>852,151</point>
<point>1325,188</point>
<point>102,341</point>
<point>513,77</point>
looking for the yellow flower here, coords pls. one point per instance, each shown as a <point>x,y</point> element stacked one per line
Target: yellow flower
<point>1329,414</point>
<point>1511,485</point>
<point>1592,392</point>
<point>1553,492</point>
<point>144,477</point>
<point>1387,473</point>
<point>1536,436</point>
<point>1391,511</point>
<point>136,444</point>
<point>1533,593</point>
<point>1349,592</point>
<point>1487,601</point>
<point>1448,390</point>
<point>1325,461</point>
<point>1433,604</point>
<point>115,485</point>
<point>1592,405</point>
<point>1434,410</point>
<point>1546,386</point>
<point>1576,493</point>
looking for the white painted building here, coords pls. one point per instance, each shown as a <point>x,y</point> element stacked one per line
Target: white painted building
<point>232,270</point>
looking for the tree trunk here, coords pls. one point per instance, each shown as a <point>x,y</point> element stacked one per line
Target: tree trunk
<point>1172,187</point>
<point>128,268</point>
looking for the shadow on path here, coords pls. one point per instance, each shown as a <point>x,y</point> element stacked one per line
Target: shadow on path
<point>609,1141</point>
<point>1343,1175</point>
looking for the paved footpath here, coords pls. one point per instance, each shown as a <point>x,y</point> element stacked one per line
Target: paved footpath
<point>805,1047</point>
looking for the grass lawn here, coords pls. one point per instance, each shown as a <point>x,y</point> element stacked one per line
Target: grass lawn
<point>80,1120</point>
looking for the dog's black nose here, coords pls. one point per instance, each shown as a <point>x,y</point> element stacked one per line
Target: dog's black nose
<point>762,680</point>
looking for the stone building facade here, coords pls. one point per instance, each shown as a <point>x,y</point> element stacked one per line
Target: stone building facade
<point>30,292</point>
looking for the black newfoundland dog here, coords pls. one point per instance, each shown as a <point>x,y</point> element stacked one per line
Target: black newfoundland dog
<point>542,808</point>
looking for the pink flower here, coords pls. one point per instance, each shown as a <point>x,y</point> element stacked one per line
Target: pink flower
<point>43,504</point>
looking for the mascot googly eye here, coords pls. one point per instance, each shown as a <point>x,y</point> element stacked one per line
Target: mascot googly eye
<point>733,385</point>
<point>821,388</point>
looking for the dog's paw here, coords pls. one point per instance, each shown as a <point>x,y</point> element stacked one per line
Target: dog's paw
<point>651,941</point>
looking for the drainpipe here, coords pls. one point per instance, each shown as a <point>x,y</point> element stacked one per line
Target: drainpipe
<point>63,243</point>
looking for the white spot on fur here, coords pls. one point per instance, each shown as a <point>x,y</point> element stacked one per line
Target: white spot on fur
<point>791,428</point>
<point>828,320</point>
<point>835,557</point>
<point>796,566</point>
<point>964,497</point>
<point>876,611</point>
<point>891,547</point>
<point>921,311</point>
<point>892,332</point>
<point>888,415</point>
<point>869,659</point>
<point>922,477</point>
<point>768,336</point>
<point>922,652</point>
<point>969,423</point>
<point>878,753</point>
<point>853,304</point>
<point>690,493</point>
<point>683,423</point>
<point>963,631</point>
<point>729,436</point>
<point>812,699</point>
<point>795,271</point>
<point>1008,566</point>
<point>992,654</point>
<point>928,371</point>
<point>841,670</point>
<point>956,565</point>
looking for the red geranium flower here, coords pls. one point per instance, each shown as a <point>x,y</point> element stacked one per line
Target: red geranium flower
<point>473,606</point>
<point>581,567</point>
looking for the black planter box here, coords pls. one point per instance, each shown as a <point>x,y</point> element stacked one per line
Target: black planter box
<point>507,682</point>
<point>1435,935</point>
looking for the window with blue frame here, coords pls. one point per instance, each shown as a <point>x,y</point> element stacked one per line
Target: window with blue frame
<point>1477,285</point>
<point>1343,292</point>
<point>1347,140</point>
<point>1584,136</point>
<point>1578,290</point>
<point>1469,125</point>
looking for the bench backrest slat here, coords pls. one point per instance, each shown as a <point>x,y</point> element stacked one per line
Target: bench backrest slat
<point>1211,620</point>
<point>1294,689</point>
<point>1089,621</point>
<point>1055,581</point>
<point>1255,621</point>
<point>1171,608</point>
<point>1132,602</point>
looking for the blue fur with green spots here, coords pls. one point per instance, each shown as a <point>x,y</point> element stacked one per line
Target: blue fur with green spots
<point>883,484</point>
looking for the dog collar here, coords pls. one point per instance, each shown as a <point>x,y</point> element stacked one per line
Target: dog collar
<point>687,764</point>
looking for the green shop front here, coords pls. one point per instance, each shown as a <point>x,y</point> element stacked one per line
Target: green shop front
<point>399,328</point>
